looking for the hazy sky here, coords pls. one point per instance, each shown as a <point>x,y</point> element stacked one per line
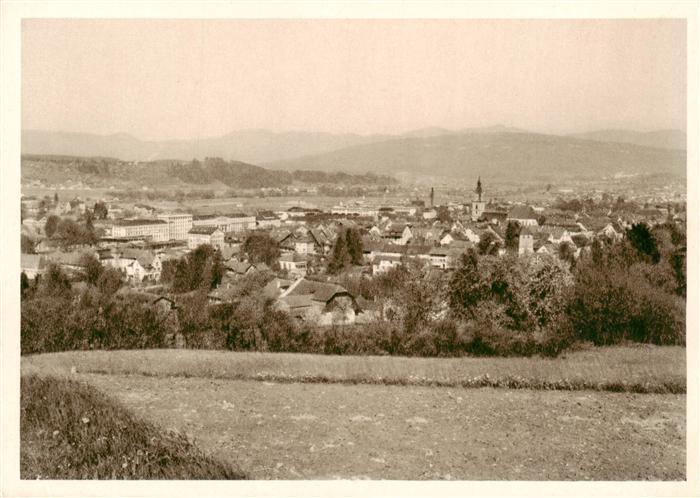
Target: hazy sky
<point>159,79</point>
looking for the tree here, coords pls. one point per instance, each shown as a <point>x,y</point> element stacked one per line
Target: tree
<point>72,233</point>
<point>51,225</point>
<point>23,283</point>
<point>55,283</point>
<point>488,244</point>
<point>643,242</point>
<point>259,247</point>
<point>167,272</point>
<point>340,257</point>
<point>353,240</point>
<point>100,210</point>
<point>27,244</point>
<point>466,289</point>
<point>109,281</point>
<point>92,268</point>
<point>566,252</point>
<point>89,226</point>
<point>512,235</point>
<point>443,214</point>
<point>200,269</point>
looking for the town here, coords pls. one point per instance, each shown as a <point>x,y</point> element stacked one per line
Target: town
<point>304,252</point>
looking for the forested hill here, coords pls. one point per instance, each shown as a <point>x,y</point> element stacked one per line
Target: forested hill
<point>506,156</point>
<point>105,172</point>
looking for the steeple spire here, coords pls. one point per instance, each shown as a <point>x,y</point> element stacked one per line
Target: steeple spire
<point>478,188</point>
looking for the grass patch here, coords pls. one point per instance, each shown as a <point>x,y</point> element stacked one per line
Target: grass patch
<point>70,430</point>
<point>638,369</point>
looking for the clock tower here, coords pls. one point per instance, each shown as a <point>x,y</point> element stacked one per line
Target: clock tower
<point>478,206</point>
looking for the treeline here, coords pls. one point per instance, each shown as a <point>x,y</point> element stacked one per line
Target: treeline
<point>234,174</point>
<point>318,177</point>
<point>632,290</point>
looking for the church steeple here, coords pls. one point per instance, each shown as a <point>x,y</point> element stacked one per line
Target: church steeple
<point>478,188</point>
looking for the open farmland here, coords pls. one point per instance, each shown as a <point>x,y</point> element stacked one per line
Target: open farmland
<point>298,428</point>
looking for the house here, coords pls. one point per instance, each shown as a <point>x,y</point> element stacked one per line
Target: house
<point>295,264</point>
<point>446,239</point>
<point>32,265</point>
<point>223,294</point>
<point>382,264</point>
<point>267,219</point>
<point>284,238</point>
<point>305,245</point>
<point>275,287</point>
<point>200,235</point>
<point>526,241</point>
<point>240,268</point>
<point>494,215</point>
<point>524,215</point>
<point>323,240</point>
<point>71,262</point>
<point>322,303</point>
<point>557,235</point>
<point>612,231</point>
<point>137,265</point>
<point>397,234</point>
<point>429,214</point>
<point>544,247</point>
<point>445,257</point>
<point>471,235</point>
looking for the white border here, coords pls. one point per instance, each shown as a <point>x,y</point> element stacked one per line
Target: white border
<point>12,13</point>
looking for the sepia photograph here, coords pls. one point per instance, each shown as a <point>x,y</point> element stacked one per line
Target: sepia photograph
<point>352,248</point>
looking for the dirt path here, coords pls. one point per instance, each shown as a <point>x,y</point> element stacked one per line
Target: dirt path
<point>317,431</point>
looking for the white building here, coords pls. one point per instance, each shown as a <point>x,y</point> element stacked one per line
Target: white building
<point>525,242</point>
<point>231,223</point>
<point>211,235</point>
<point>179,224</point>
<point>524,215</point>
<point>295,264</point>
<point>155,230</point>
<point>355,211</point>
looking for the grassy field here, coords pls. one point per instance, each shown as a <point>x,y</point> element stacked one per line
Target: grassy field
<point>289,416</point>
<point>72,431</point>
<point>642,369</point>
<point>331,431</point>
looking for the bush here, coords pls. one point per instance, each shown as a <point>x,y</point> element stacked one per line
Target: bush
<point>611,305</point>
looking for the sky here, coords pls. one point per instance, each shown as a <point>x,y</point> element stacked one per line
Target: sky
<point>188,79</point>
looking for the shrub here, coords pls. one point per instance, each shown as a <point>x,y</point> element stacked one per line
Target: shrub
<point>609,305</point>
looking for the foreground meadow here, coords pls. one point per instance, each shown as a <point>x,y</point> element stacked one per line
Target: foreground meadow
<point>638,368</point>
<point>285,416</point>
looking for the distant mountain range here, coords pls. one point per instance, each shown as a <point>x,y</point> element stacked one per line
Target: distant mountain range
<point>663,139</point>
<point>497,152</point>
<point>250,146</point>
<point>505,156</point>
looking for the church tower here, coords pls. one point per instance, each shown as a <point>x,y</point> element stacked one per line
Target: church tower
<point>432,197</point>
<point>479,206</point>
